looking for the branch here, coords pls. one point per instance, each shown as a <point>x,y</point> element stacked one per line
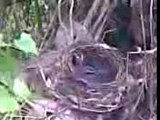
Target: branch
<point>61,22</point>
<point>151,23</point>
<point>144,40</point>
<point>91,13</point>
<point>71,18</point>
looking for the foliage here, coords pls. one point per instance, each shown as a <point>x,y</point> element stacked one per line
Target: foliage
<point>15,47</point>
<point>26,44</point>
<point>7,102</point>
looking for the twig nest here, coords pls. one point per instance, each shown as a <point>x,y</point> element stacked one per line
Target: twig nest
<point>90,78</point>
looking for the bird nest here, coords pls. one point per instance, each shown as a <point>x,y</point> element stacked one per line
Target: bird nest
<point>92,78</point>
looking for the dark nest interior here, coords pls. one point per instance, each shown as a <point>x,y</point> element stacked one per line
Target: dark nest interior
<point>98,62</point>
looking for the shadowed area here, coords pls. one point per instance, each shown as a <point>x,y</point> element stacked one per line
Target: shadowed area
<point>94,68</point>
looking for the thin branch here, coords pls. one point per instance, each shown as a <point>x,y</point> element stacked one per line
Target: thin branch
<point>103,10</point>
<point>98,27</point>
<point>127,67</point>
<point>144,40</point>
<point>152,51</point>
<point>71,18</point>
<point>142,24</point>
<point>91,13</point>
<point>59,15</point>
<point>46,81</point>
<point>152,44</point>
<point>50,27</point>
<point>137,102</point>
<point>151,23</point>
<point>61,21</point>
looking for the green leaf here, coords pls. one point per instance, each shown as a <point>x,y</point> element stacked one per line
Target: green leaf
<point>26,44</point>
<point>7,79</point>
<point>20,89</point>
<point>7,63</point>
<point>7,102</point>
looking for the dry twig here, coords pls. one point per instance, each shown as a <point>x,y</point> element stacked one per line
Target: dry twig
<point>144,40</point>
<point>151,23</point>
<point>91,13</point>
<point>71,18</point>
